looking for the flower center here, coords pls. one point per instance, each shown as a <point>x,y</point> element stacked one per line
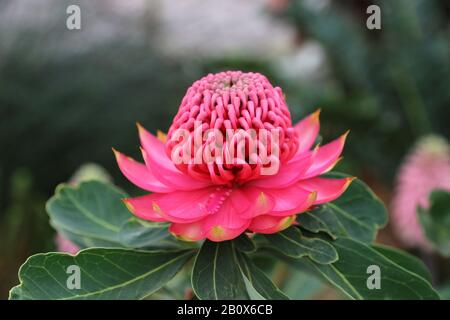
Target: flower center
<point>230,127</point>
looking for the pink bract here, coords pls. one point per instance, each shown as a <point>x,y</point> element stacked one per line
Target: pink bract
<point>221,200</point>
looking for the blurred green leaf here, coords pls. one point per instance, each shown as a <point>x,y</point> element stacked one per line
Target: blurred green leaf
<point>302,285</point>
<point>436,221</point>
<point>444,291</point>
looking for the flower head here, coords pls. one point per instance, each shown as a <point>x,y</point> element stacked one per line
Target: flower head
<point>232,162</point>
<point>239,104</point>
<point>426,168</point>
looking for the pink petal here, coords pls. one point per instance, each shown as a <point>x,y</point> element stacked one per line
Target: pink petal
<point>269,224</point>
<point>289,172</point>
<point>178,206</point>
<point>142,208</point>
<point>162,166</point>
<point>188,231</point>
<point>327,157</point>
<point>138,174</point>
<point>154,145</point>
<point>327,189</point>
<point>307,131</point>
<point>251,201</point>
<point>290,200</point>
<point>243,200</point>
<point>226,224</point>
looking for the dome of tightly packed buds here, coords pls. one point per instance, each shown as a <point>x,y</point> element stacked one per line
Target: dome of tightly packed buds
<point>233,101</point>
<point>235,190</point>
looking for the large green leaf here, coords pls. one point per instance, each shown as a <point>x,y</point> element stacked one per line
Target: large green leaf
<point>259,286</point>
<point>244,243</point>
<point>401,276</point>
<point>292,243</point>
<point>404,259</point>
<point>436,221</point>
<point>357,214</point>
<point>104,274</point>
<point>216,274</point>
<point>223,271</point>
<point>92,214</point>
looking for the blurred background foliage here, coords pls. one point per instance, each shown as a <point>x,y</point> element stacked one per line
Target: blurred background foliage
<point>67,97</point>
<point>389,86</point>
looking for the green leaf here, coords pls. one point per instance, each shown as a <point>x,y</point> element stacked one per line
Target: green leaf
<point>357,214</point>
<point>258,285</point>
<point>136,233</point>
<point>223,271</point>
<point>292,243</point>
<point>401,276</point>
<point>302,285</point>
<point>444,291</point>
<point>92,214</point>
<point>216,274</point>
<point>404,259</point>
<point>245,244</point>
<point>83,241</point>
<point>436,221</point>
<point>252,292</point>
<point>104,274</point>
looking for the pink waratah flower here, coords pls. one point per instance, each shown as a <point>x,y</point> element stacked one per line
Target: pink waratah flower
<point>220,200</point>
<point>426,168</point>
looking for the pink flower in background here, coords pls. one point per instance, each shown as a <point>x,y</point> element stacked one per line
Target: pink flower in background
<point>65,245</point>
<point>426,168</point>
<point>267,180</point>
